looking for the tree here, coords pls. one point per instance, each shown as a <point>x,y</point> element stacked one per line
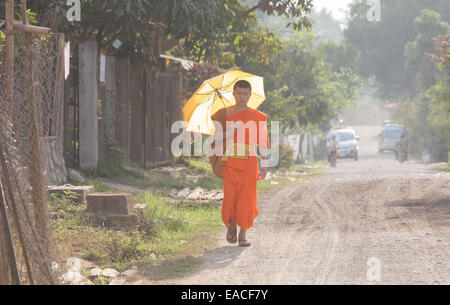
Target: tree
<point>439,96</point>
<point>287,8</point>
<point>326,27</point>
<point>308,94</point>
<point>427,116</point>
<point>382,44</point>
<point>139,24</point>
<point>428,26</point>
<point>341,56</point>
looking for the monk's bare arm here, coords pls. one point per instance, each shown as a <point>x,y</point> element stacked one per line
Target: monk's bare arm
<point>264,156</point>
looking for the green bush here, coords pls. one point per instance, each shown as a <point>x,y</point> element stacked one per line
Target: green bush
<point>286,157</point>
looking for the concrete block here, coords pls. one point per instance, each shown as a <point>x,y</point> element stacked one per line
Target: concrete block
<point>104,204</point>
<point>81,191</point>
<point>122,222</point>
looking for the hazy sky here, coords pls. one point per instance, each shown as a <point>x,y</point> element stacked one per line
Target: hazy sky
<point>335,6</point>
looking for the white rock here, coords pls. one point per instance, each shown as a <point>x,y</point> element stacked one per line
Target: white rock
<point>173,193</point>
<point>129,272</point>
<point>207,195</point>
<point>109,273</point>
<point>72,277</point>
<point>75,175</point>
<point>184,192</point>
<point>218,196</point>
<point>55,266</point>
<point>273,182</point>
<point>74,264</point>
<point>95,272</point>
<point>140,206</point>
<point>196,194</point>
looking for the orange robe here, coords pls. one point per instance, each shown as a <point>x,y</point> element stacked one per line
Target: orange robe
<point>240,176</point>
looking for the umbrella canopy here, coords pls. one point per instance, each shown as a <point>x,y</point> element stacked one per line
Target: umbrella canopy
<point>217,93</point>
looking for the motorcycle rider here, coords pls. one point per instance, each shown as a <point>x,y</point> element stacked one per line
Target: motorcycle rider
<point>401,147</point>
<point>333,147</point>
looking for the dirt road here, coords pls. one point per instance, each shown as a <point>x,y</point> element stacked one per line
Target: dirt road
<point>374,221</point>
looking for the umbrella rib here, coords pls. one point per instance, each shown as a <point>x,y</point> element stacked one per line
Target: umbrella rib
<point>234,80</point>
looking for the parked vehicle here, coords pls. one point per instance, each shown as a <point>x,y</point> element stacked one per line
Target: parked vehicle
<point>348,142</point>
<point>387,139</point>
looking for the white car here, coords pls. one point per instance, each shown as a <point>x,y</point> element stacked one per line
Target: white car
<point>389,136</point>
<point>348,142</point>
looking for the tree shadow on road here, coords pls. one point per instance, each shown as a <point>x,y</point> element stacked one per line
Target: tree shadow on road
<point>436,210</point>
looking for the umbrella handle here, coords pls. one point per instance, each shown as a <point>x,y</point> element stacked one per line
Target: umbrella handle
<point>220,96</point>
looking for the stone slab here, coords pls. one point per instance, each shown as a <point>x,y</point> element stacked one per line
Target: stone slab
<point>122,222</point>
<point>104,204</point>
<point>79,197</point>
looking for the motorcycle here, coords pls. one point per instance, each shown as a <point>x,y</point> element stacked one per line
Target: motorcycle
<point>401,155</point>
<point>333,159</point>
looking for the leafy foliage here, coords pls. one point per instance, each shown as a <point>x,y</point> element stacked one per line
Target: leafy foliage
<point>311,93</point>
<point>286,157</point>
<point>442,55</point>
<point>144,25</point>
<point>428,26</point>
<point>382,44</point>
<point>287,8</point>
<point>197,75</point>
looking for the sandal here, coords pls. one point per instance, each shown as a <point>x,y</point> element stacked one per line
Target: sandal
<point>231,233</point>
<point>243,242</point>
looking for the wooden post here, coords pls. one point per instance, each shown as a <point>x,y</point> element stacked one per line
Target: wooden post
<point>9,97</point>
<point>9,85</point>
<point>109,102</point>
<point>30,29</point>
<point>7,238</point>
<point>123,102</point>
<point>137,114</point>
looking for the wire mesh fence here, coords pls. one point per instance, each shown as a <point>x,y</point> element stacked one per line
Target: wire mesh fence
<point>26,249</point>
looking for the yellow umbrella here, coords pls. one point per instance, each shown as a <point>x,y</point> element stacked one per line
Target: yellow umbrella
<point>217,93</point>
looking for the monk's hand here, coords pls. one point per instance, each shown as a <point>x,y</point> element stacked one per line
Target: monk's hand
<point>262,173</point>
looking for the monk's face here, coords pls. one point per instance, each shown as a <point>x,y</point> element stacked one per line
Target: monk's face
<point>242,95</point>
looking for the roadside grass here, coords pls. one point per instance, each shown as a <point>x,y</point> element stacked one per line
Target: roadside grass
<point>167,230</point>
<point>171,231</point>
<point>444,167</point>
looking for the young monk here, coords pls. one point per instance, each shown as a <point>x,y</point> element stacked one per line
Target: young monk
<point>240,170</point>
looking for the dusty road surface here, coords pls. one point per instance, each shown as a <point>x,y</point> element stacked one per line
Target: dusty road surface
<point>364,221</point>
